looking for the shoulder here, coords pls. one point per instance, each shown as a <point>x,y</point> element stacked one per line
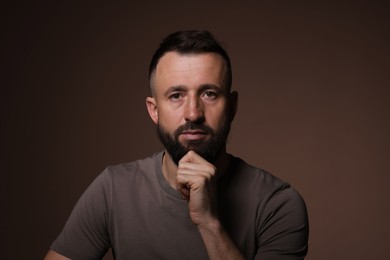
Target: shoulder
<point>256,180</point>
<point>264,190</point>
<point>142,168</point>
<point>281,220</point>
<point>274,212</point>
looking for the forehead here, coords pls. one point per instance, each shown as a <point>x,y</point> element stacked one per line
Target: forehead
<point>189,70</point>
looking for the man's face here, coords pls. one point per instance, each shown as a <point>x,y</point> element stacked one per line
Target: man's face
<point>190,104</point>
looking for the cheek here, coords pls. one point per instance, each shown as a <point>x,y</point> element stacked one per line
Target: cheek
<point>217,118</point>
<point>169,120</point>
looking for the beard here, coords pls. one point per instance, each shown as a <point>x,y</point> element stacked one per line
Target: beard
<point>208,149</point>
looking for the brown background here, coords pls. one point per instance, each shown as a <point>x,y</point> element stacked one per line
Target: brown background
<point>313,78</point>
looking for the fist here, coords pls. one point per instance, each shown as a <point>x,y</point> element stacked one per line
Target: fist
<point>197,183</point>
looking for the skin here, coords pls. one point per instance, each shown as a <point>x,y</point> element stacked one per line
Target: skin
<point>52,255</point>
<point>190,88</point>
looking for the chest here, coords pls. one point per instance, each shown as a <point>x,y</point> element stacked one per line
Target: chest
<point>154,227</point>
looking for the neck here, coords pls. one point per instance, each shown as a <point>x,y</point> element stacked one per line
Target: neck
<point>169,168</point>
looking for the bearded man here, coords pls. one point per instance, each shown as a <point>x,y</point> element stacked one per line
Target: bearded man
<point>193,200</point>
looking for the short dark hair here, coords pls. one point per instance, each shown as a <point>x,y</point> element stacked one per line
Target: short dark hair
<point>192,42</point>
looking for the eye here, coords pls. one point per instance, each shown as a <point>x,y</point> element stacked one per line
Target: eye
<point>174,96</point>
<point>210,94</point>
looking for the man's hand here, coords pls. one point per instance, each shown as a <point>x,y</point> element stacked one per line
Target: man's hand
<point>197,182</point>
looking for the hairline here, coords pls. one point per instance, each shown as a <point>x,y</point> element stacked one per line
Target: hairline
<point>152,74</point>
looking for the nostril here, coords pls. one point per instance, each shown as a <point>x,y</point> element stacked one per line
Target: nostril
<point>194,111</point>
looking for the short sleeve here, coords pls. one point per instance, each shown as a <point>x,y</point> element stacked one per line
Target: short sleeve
<point>283,227</point>
<point>85,234</point>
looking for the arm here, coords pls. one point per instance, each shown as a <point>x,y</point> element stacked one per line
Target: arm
<point>53,255</point>
<point>284,229</point>
<point>84,235</point>
<point>218,243</point>
<point>196,179</point>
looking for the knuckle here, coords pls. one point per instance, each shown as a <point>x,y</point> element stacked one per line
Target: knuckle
<point>211,169</point>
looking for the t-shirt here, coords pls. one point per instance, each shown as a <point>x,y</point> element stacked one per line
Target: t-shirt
<point>132,208</point>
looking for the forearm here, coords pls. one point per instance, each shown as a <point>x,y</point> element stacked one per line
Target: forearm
<point>52,255</point>
<point>197,177</point>
<point>218,243</point>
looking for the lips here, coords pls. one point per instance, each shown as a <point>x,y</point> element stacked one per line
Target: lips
<point>193,134</point>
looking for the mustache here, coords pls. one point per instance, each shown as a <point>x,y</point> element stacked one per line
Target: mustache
<point>193,126</point>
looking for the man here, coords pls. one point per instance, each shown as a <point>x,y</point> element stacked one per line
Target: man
<point>194,200</point>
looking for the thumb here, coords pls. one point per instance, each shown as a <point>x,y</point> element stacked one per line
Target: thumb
<point>184,190</point>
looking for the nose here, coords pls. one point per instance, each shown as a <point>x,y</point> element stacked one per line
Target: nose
<point>194,110</point>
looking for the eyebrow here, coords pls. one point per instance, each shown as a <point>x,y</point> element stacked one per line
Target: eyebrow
<point>183,88</point>
<point>211,86</point>
<point>179,88</point>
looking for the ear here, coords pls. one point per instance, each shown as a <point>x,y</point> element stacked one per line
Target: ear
<point>152,108</point>
<point>233,104</point>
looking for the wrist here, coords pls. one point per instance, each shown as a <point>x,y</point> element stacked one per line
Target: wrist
<point>218,243</point>
<point>211,226</point>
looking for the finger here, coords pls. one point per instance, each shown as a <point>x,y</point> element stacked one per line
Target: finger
<point>194,183</point>
<point>184,190</point>
<point>195,169</point>
<point>193,161</point>
<point>193,157</point>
